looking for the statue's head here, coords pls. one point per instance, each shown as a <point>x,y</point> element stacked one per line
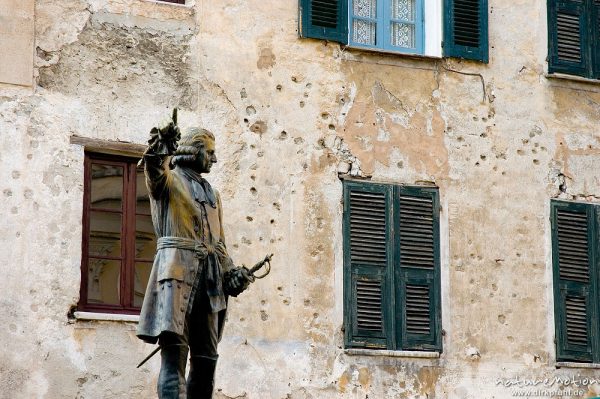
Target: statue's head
<point>196,150</point>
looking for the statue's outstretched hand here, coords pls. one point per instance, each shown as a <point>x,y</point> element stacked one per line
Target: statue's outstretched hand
<point>237,280</point>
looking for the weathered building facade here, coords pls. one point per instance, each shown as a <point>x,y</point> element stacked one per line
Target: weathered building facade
<point>293,117</point>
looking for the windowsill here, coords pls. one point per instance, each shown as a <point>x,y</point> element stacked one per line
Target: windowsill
<point>107,317</point>
<point>168,3</point>
<point>574,78</point>
<point>575,365</point>
<point>391,52</point>
<point>390,353</point>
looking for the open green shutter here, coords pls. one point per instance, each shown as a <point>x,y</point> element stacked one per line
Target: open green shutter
<point>324,19</point>
<point>573,257</point>
<point>466,29</point>
<point>367,264</point>
<point>419,303</point>
<point>568,37</point>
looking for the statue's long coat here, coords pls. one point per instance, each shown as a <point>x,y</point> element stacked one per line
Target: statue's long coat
<point>178,203</point>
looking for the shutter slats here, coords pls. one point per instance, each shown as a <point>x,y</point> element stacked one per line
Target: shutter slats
<point>368,227</point>
<point>569,37</point>
<point>368,305</point>
<point>576,320</point>
<point>325,13</point>
<point>418,304</point>
<point>573,257</point>
<point>416,232</point>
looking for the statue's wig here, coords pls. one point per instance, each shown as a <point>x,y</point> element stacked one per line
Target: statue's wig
<point>191,141</point>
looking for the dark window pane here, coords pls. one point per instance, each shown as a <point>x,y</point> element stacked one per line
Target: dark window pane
<point>145,240</point>
<point>142,274</point>
<point>107,186</point>
<point>105,234</point>
<point>103,281</point>
<point>143,200</point>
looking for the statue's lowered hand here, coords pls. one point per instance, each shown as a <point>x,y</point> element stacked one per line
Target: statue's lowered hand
<point>237,280</point>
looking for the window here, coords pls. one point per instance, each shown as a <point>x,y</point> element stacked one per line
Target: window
<point>118,236</point>
<point>391,267</point>
<point>575,257</point>
<point>405,26</point>
<point>573,37</point>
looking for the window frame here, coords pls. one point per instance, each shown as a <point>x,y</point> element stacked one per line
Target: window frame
<point>383,20</point>
<point>444,36</point>
<point>127,235</point>
<point>393,277</point>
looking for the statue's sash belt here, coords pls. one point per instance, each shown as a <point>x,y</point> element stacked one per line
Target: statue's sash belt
<point>201,248</point>
<point>212,255</point>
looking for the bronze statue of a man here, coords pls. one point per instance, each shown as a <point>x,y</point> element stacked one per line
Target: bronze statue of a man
<point>186,298</point>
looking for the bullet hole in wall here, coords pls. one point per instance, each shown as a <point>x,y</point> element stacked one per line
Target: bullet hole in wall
<point>249,218</point>
<point>283,135</point>
<point>253,190</point>
<point>263,315</point>
<point>243,93</point>
<point>278,87</point>
<point>301,104</point>
<point>250,110</point>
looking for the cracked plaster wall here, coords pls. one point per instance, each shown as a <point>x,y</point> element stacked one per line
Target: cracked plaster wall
<point>499,140</point>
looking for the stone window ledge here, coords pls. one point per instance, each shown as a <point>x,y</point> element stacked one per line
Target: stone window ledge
<point>573,82</point>
<point>574,78</point>
<point>107,317</point>
<point>169,3</point>
<point>575,365</point>
<point>390,353</point>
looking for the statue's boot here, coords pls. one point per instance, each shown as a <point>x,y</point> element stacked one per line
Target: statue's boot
<point>200,381</point>
<point>171,379</point>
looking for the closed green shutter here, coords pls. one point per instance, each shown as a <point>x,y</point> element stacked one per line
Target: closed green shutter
<point>574,242</point>
<point>419,304</point>
<point>466,29</point>
<point>367,265</point>
<point>596,37</point>
<point>568,36</point>
<point>324,19</point>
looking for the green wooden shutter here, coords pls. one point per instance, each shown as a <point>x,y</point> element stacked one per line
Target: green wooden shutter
<point>568,37</point>
<point>419,303</point>
<point>324,19</point>
<point>596,37</point>
<point>573,256</point>
<point>367,265</point>
<point>466,29</point>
